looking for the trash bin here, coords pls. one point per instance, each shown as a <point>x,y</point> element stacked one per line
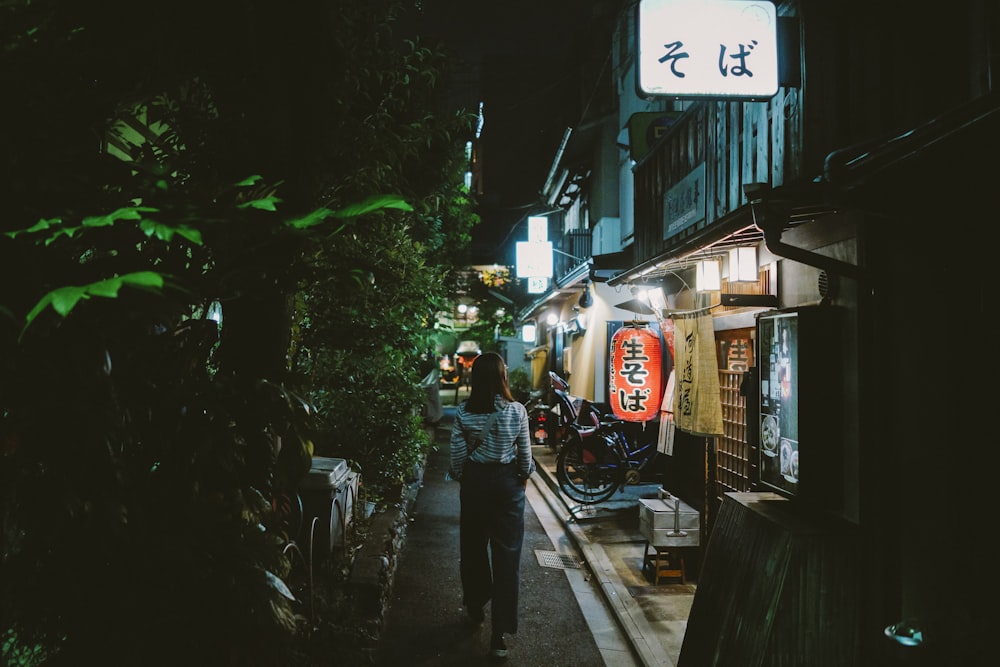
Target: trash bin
<point>328,495</point>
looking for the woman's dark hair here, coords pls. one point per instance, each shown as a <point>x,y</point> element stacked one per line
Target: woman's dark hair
<point>489,378</point>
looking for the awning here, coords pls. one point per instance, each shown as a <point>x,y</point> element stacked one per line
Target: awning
<point>606,266</point>
<point>733,230</point>
<point>637,306</point>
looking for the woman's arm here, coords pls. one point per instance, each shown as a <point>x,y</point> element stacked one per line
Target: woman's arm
<point>459,447</point>
<point>525,462</point>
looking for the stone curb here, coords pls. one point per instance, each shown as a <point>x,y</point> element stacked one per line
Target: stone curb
<point>369,583</point>
<point>626,611</point>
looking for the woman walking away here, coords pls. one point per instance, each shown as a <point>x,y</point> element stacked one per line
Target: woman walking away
<point>491,457</point>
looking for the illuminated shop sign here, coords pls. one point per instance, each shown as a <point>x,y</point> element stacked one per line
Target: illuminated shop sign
<point>534,259</point>
<point>715,48</point>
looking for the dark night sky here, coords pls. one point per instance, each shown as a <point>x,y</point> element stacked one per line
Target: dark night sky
<point>515,56</point>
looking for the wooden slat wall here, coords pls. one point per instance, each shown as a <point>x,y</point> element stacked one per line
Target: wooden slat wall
<point>739,142</point>
<point>778,588</point>
<point>785,140</point>
<point>731,186</point>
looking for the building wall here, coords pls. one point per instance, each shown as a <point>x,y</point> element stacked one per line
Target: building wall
<point>603,190</point>
<point>872,72</point>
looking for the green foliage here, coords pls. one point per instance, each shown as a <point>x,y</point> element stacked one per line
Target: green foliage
<point>13,653</point>
<point>149,454</point>
<point>367,305</point>
<point>359,347</point>
<point>520,384</point>
<point>138,479</point>
<point>376,403</point>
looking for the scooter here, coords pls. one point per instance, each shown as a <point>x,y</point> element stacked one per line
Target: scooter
<point>538,417</point>
<point>551,424</point>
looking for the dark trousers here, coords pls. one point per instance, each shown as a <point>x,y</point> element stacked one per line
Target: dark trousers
<point>492,531</point>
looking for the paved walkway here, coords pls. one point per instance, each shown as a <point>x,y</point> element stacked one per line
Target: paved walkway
<point>425,622</point>
<point>586,600</point>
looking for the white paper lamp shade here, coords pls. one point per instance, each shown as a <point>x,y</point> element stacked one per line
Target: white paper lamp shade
<point>707,276</point>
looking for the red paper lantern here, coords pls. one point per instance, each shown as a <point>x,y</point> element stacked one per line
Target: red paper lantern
<point>636,378</point>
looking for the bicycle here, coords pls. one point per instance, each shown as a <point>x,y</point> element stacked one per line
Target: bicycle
<point>595,462</point>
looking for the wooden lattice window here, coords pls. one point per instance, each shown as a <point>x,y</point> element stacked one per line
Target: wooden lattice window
<point>732,470</point>
<point>732,454</point>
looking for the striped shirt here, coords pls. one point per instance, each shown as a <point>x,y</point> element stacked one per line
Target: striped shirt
<point>507,440</point>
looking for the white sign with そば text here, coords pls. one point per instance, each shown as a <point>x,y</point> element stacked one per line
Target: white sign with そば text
<point>713,48</point>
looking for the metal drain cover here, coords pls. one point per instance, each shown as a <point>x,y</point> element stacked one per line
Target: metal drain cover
<point>556,560</point>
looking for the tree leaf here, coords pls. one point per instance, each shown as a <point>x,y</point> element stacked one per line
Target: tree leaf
<point>190,233</point>
<point>373,203</point>
<point>279,585</point>
<point>249,181</point>
<point>166,233</point>
<point>369,205</point>
<point>39,226</point>
<point>64,299</point>
<point>309,220</point>
<point>124,213</point>
<point>265,204</point>
<point>148,279</point>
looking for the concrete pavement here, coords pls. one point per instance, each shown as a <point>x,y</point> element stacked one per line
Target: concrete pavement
<point>586,597</point>
<point>652,616</point>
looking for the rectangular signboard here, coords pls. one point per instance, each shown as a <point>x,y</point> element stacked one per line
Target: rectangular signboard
<point>708,48</point>
<point>684,203</point>
<point>534,259</point>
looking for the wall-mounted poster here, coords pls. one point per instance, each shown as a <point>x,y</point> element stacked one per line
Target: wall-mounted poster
<point>779,417</point>
<point>800,403</point>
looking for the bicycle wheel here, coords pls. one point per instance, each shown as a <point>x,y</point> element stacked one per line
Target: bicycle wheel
<point>588,471</point>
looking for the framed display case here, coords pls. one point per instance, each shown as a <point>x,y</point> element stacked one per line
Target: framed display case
<point>799,403</point>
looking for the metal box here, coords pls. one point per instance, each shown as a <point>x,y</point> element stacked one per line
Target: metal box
<point>325,473</point>
<point>669,522</point>
<point>328,495</point>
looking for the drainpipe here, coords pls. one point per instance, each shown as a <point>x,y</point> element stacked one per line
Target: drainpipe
<point>555,162</point>
<point>771,217</point>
